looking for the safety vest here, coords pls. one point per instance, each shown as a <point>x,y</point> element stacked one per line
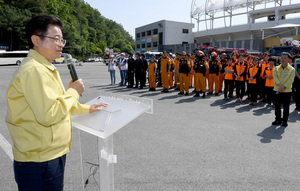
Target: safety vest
<point>240,70</point>
<point>223,62</point>
<point>229,76</point>
<point>199,66</point>
<point>253,73</point>
<point>263,66</point>
<point>184,66</point>
<point>214,67</point>
<point>269,72</point>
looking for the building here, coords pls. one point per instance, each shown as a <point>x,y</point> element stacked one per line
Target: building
<point>255,25</point>
<point>155,37</point>
<point>248,24</point>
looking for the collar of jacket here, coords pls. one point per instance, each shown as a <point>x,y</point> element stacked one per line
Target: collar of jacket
<point>42,60</point>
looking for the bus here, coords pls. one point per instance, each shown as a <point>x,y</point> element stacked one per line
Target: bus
<point>12,57</point>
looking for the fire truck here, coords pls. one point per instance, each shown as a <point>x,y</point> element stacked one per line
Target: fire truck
<point>228,51</point>
<point>207,49</point>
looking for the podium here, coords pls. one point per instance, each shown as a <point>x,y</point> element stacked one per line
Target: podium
<point>121,110</point>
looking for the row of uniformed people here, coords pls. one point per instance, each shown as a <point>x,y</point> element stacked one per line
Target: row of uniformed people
<point>233,71</point>
<point>237,71</point>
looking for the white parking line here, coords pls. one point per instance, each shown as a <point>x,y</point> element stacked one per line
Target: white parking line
<point>5,145</point>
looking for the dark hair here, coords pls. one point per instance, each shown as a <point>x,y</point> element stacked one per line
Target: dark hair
<point>272,59</point>
<point>38,25</point>
<point>287,54</point>
<point>237,54</point>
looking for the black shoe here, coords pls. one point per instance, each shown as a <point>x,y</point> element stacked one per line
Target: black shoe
<point>163,90</point>
<point>194,90</point>
<point>197,94</point>
<point>284,124</point>
<point>129,86</point>
<point>186,94</point>
<point>203,96</point>
<point>180,93</point>
<point>209,93</point>
<point>276,122</point>
<point>216,94</point>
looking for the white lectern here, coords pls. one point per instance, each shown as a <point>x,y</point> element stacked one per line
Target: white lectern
<point>121,110</point>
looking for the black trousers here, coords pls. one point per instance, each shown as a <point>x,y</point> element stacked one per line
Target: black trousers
<point>269,91</point>
<point>130,76</point>
<point>283,99</point>
<point>297,86</point>
<point>240,89</point>
<point>143,79</point>
<point>253,91</point>
<point>263,89</point>
<point>40,176</point>
<point>228,85</point>
<point>138,78</point>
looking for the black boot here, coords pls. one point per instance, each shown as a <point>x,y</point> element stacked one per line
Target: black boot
<point>197,94</point>
<point>203,96</point>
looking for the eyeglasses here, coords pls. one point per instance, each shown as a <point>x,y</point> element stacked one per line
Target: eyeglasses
<point>57,40</point>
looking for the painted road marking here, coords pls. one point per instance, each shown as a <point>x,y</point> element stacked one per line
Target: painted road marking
<point>6,146</point>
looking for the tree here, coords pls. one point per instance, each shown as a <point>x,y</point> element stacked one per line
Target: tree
<point>85,29</point>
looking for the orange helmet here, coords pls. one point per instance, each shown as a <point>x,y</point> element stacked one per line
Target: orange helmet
<point>200,53</point>
<point>214,54</point>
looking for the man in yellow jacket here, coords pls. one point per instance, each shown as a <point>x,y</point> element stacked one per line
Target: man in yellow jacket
<point>283,76</point>
<point>39,109</point>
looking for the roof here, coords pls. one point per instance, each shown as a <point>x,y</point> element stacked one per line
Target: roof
<point>283,26</point>
<point>278,29</point>
<point>214,5</point>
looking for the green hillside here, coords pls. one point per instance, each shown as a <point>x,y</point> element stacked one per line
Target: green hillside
<point>85,29</point>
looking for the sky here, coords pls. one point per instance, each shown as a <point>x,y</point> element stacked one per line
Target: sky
<point>132,14</point>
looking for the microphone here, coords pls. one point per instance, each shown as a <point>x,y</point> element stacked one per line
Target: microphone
<point>68,59</point>
<point>71,67</point>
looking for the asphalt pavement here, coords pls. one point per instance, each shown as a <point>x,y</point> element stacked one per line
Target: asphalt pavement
<point>187,144</point>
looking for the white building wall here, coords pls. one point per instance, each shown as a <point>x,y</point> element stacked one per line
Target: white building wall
<point>174,33</point>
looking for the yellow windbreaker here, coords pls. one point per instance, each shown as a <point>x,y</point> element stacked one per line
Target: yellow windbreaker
<point>39,111</point>
<point>284,77</point>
